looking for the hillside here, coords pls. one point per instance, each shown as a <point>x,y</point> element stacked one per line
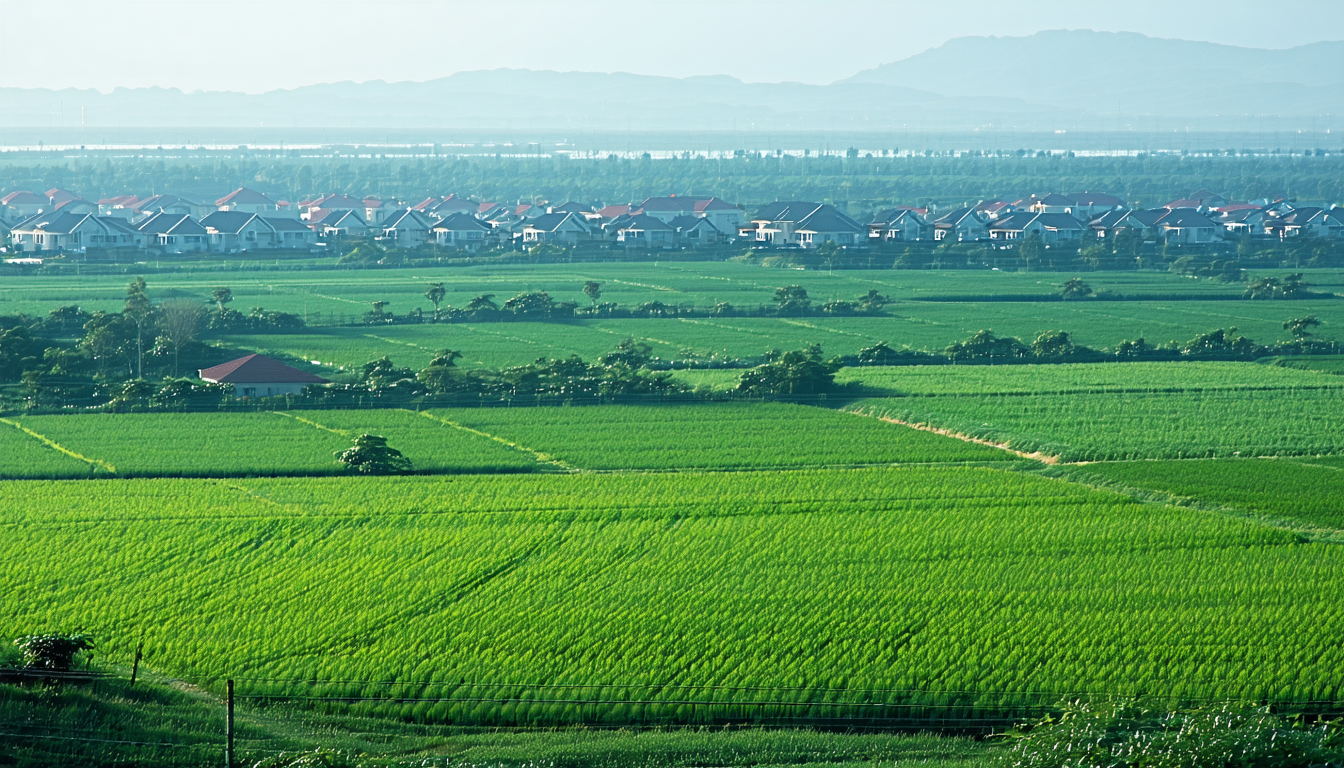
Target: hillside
<point>1075,79</point>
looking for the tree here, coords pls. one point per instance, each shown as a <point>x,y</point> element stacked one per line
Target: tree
<point>1031,251</point>
<point>828,253</point>
<point>872,301</point>
<point>378,314</point>
<point>1053,345</point>
<point>799,372</point>
<point>1075,289</point>
<point>531,304</point>
<point>54,652</point>
<point>221,297</point>
<point>483,303</point>
<point>1264,288</point>
<point>629,352</point>
<point>436,294</point>
<point>139,311</point>
<point>593,290</point>
<point>1300,326</point>
<point>792,300</point>
<point>878,354</point>
<point>441,375</point>
<point>371,455</point>
<point>984,345</point>
<point>180,322</point>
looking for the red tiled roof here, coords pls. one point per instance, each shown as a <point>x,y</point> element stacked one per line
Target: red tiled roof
<point>23,198</point>
<point>244,196</point>
<point>612,211</point>
<point>258,369</point>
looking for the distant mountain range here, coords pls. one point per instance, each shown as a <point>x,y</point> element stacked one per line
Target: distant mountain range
<point>1066,79</point>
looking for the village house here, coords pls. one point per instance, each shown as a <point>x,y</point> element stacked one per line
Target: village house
<point>236,231</point>
<point>897,225</point>
<point>828,224</point>
<point>1142,223</point>
<point>1187,226</point>
<point>17,206</point>
<point>725,216</point>
<point>404,228</point>
<point>778,224</point>
<point>1244,220</point>
<point>696,231</point>
<point>260,376</point>
<point>453,204</point>
<point>1051,227</point>
<point>290,234</point>
<point>375,210</point>
<point>318,207</point>
<point>338,224</point>
<point>645,231</point>
<point>174,233</point>
<point>1306,222</point>
<point>171,204</point>
<point>962,225</point>
<point>461,230</point>
<point>67,231</point>
<point>246,200</point>
<point>121,206</point>
<point>560,228</point>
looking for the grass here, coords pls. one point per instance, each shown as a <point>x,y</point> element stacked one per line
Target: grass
<point>964,592</point>
<point>715,436</point>
<point>238,444</point>
<point>1120,426</point>
<point>1303,493</point>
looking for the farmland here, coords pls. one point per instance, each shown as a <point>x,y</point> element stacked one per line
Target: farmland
<point>1102,427</point>
<point>957,590</point>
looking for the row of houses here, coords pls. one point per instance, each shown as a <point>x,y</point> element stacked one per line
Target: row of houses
<point>245,221</point>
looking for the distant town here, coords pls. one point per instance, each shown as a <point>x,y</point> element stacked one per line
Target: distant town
<point>60,221</point>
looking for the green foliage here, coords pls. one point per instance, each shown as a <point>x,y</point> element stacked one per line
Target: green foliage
<point>794,373</point>
<point>984,346</point>
<point>371,455</point>
<point>792,300</point>
<point>1075,289</point>
<point>54,652</point>
<point>1132,735</point>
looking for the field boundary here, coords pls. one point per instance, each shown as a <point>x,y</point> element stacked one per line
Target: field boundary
<point>98,463</point>
<point>313,424</point>
<point>1044,458</point>
<point>543,458</point>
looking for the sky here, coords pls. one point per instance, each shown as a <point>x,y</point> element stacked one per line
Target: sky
<point>256,46</point>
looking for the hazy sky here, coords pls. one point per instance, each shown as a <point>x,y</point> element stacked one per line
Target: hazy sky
<point>259,45</point>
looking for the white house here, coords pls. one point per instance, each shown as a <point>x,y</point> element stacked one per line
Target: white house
<point>339,224</point>
<point>17,206</point>
<point>174,233</point>
<point>405,228</point>
<point>63,230</point>
<point>828,225</point>
<point>725,216</point>
<point>696,230</point>
<point>897,225</point>
<point>461,230</point>
<point>236,231</point>
<point>961,224</point>
<point>555,228</point>
<point>247,201</point>
<point>1052,227</point>
<point>260,376</point>
<point>645,231</point>
<point>1187,226</point>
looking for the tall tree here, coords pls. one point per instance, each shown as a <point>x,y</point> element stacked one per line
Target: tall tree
<point>139,311</point>
<point>593,290</point>
<point>435,294</point>
<point>180,323</point>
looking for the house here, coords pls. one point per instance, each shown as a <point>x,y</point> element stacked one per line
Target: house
<point>1051,227</point>
<point>1187,226</point>
<point>571,207</point>
<point>993,209</point>
<point>461,230</point>
<point>338,224</point>
<point>828,224</point>
<point>404,228</point>
<point>555,228</point>
<point>776,224</point>
<point>171,204</point>
<point>453,204</point>
<point>896,225</point>
<point>1243,220</point>
<point>59,197</point>
<point>290,234</point>
<point>174,233</point>
<point>1207,198</point>
<point>696,230</point>
<point>68,231</point>
<point>609,212</point>
<point>121,206</point>
<point>1306,222</point>
<point>77,205</point>
<point>961,225</point>
<point>17,206</point>
<point>376,210</point>
<point>1089,204</point>
<point>308,209</point>
<point>260,376</point>
<point>725,216</point>
<point>645,231</point>
<point>246,201</point>
<point>236,231</point>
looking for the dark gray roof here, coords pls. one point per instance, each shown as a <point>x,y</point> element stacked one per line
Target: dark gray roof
<point>686,223</point>
<point>647,223</point>
<point>231,222</point>
<point>171,223</point>
<point>794,210</point>
<point>1059,221</point>
<point>1185,218</point>
<point>463,222</point>
<point>828,218</point>
<point>285,224</point>
<point>549,222</point>
<point>1016,220</point>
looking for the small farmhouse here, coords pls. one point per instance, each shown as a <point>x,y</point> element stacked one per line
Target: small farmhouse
<point>260,376</point>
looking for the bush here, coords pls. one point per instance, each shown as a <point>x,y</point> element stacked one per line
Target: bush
<point>53,651</point>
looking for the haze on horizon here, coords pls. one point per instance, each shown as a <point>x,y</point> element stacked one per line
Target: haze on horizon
<point>253,46</point>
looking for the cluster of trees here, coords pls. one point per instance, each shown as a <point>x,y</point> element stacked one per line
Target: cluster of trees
<point>74,357</point>
<point>788,301</point>
<point>865,183</point>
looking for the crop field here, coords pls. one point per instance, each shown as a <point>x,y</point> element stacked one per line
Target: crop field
<point>236,444</point>
<point>1081,378</point>
<point>1285,490</point>
<point>715,436</point>
<point>292,288</point>
<point>508,598</point>
<point>1119,426</point>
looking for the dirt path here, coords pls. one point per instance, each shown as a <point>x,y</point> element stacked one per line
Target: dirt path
<point>1044,458</point>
